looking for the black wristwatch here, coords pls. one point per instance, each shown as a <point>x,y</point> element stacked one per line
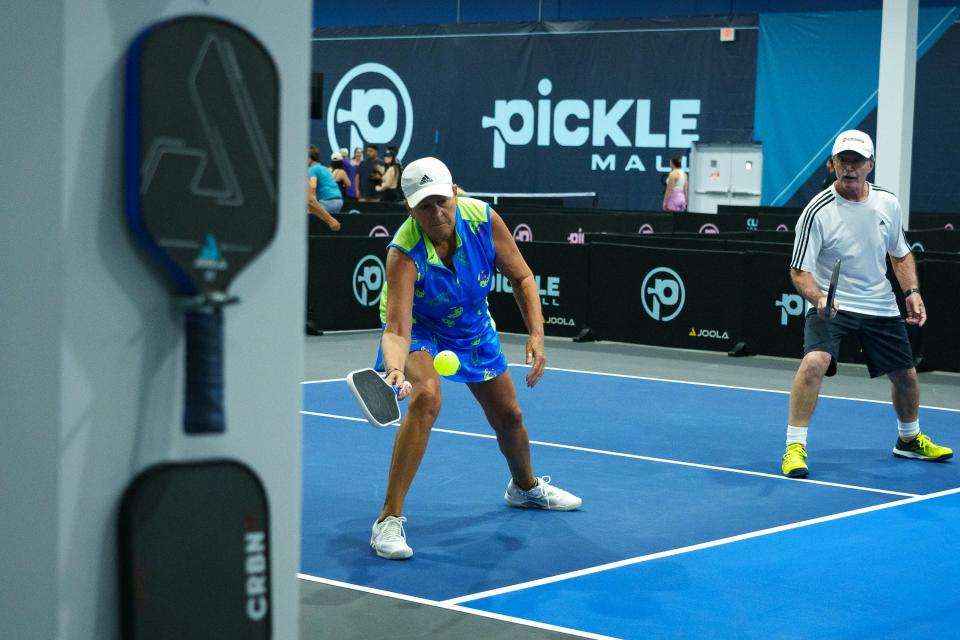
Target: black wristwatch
<point>911,291</point>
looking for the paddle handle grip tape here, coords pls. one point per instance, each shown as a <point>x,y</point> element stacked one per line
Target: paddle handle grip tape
<point>203,406</point>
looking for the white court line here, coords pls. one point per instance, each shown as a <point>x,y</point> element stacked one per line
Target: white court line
<point>720,386</point>
<point>454,607</point>
<point>332,415</point>
<point>687,382</point>
<point>645,458</point>
<point>322,381</point>
<point>696,547</point>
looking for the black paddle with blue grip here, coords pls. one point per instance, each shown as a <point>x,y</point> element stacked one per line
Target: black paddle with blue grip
<point>201,139</point>
<point>202,116</point>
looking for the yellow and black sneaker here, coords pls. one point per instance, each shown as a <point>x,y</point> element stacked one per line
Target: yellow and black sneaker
<point>922,448</point>
<point>795,461</point>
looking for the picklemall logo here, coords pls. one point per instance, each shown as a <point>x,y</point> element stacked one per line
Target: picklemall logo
<point>646,228</point>
<point>709,229</point>
<point>718,334</point>
<point>662,294</point>
<point>790,304</point>
<point>379,231</point>
<point>916,246</point>
<point>370,105</point>
<point>596,122</point>
<point>523,233</point>
<point>547,286</point>
<point>368,277</point>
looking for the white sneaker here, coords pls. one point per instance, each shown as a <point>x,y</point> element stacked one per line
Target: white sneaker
<point>542,495</point>
<point>389,540</point>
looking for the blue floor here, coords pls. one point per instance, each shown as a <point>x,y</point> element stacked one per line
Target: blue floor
<point>467,541</point>
<point>891,573</point>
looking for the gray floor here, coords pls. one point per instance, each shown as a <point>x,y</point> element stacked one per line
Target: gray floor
<point>330,612</point>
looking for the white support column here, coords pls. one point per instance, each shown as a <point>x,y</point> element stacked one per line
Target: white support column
<point>898,70</point>
<point>92,348</point>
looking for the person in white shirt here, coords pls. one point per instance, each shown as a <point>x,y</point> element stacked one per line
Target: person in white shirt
<point>861,224</point>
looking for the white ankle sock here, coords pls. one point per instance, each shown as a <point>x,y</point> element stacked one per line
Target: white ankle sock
<point>908,429</point>
<point>796,435</point>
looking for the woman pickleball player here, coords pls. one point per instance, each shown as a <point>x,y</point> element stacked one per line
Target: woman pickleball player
<point>440,268</point>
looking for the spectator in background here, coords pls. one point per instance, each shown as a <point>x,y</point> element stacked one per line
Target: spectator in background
<point>323,195</point>
<point>831,174</point>
<point>369,173</point>
<point>389,187</point>
<point>340,175</point>
<point>675,194</point>
<point>357,157</point>
<point>351,170</point>
<point>396,158</point>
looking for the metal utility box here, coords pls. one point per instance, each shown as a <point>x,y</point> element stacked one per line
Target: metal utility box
<point>724,173</point>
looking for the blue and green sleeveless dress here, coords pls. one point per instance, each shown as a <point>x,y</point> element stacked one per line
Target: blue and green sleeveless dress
<point>450,306</point>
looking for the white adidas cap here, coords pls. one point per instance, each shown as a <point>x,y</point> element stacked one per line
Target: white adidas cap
<point>854,140</point>
<point>425,177</point>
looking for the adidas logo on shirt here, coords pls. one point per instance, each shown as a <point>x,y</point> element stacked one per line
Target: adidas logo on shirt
<point>425,179</point>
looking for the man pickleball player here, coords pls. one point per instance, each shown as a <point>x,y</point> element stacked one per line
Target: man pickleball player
<point>861,224</point>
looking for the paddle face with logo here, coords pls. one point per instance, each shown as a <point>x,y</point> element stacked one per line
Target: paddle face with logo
<point>202,120</point>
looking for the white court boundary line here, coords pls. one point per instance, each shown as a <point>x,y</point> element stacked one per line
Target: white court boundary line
<point>696,547</point>
<point>454,607</point>
<point>722,386</point>
<point>634,456</point>
<point>687,382</point>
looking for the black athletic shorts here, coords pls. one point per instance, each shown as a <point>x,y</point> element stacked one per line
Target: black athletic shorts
<point>883,339</point>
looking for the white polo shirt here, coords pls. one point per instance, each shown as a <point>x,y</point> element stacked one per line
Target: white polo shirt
<point>861,234</point>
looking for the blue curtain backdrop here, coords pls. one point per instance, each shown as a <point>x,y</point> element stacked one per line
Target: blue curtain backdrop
<point>817,75</point>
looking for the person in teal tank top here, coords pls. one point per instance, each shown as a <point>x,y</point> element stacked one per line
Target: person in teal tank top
<point>440,268</point>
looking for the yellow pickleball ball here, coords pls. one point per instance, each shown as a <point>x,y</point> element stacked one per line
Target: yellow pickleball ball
<point>446,363</point>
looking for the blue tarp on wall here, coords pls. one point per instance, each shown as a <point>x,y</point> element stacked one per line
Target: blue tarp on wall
<point>817,75</point>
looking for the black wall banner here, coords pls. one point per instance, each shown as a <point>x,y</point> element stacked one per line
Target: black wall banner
<point>940,344</point>
<point>669,297</point>
<point>560,273</point>
<point>641,293</point>
<point>572,228</point>
<point>344,279</point>
<point>371,225</point>
<point>941,240</point>
<point>773,311</point>
<point>708,223</point>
